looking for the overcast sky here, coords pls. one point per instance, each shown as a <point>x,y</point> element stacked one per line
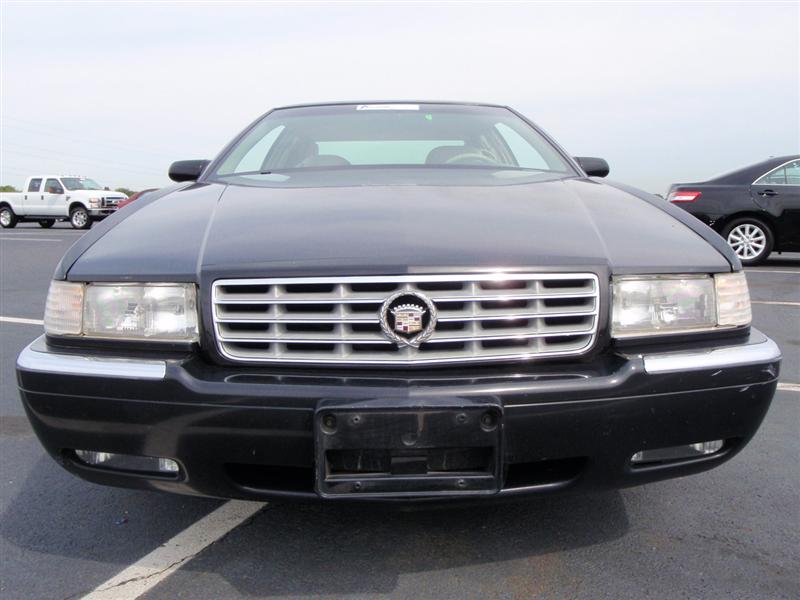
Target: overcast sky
<point>664,91</point>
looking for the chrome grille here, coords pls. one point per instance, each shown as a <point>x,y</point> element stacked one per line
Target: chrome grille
<point>481,317</point>
<point>108,202</point>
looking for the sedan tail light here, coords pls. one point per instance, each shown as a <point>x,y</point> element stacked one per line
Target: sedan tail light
<point>684,196</point>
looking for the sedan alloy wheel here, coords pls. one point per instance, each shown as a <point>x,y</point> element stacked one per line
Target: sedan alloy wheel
<point>748,241</point>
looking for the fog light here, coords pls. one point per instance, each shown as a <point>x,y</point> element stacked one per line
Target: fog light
<point>128,462</point>
<point>677,452</point>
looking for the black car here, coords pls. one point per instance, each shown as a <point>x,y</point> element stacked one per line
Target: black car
<point>756,209</point>
<point>396,301</point>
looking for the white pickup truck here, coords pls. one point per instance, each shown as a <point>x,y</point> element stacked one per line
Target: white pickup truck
<point>50,198</point>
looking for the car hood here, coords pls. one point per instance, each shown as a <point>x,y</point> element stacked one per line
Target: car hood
<point>231,231</point>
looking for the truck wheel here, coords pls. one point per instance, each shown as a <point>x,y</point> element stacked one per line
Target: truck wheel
<point>750,238</point>
<point>79,218</point>
<point>46,223</point>
<point>8,219</point>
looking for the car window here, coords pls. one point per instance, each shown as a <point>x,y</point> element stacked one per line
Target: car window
<point>425,136</point>
<point>33,186</point>
<point>776,177</point>
<point>385,152</point>
<point>254,158</point>
<point>793,173</point>
<point>526,155</point>
<point>52,186</point>
<point>80,183</point>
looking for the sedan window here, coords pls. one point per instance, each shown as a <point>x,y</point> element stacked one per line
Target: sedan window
<point>254,157</point>
<point>525,155</point>
<point>388,152</point>
<point>424,136</point>
<point>776,177</point>
<point>793,173</point>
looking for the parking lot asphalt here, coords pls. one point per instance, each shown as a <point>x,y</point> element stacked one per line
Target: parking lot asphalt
<point>733,532</point>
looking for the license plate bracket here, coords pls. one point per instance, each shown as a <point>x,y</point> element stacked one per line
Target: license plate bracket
<point>370,449</point>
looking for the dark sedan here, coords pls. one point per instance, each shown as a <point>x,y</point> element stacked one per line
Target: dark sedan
<point>756,209</point>
<point>396,301</point>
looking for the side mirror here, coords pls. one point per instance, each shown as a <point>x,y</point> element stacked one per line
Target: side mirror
<point>594,167</point>
<point>187,170</point>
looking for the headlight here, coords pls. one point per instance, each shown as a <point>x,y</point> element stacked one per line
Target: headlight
<point>153,311</point>
<point>654,305</point>
<point>94,202</point>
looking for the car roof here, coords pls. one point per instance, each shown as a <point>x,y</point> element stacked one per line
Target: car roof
<point>355,102</point>
<point>747,175</point>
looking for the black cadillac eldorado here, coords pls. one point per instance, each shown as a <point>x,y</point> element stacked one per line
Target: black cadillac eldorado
<point>396,301</point>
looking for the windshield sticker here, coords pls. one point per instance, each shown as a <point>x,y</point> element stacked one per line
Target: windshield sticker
<point>387,107</point>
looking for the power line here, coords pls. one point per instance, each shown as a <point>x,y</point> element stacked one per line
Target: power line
<point>82,140</point>
<point>79,156</point>
<point>81,133</point>
<point>106,165</point>
<point>19,172</point>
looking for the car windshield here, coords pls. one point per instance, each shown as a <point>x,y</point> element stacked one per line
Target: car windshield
<point>351,144</point>
<point>80,183</point>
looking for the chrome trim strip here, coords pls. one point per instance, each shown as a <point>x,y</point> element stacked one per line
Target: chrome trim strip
<point>496,297</point>
<point>357,340</point>
<point>71,364</point>
<point>716,358</point>
<point>519,357</point>
<point>494,276</point>
<point>359,321</point>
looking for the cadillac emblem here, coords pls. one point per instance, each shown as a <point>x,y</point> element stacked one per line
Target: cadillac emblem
<point>408,318</point>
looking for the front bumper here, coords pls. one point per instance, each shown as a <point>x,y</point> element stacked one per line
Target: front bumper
<point>101,213</point>
<point>249,432</point>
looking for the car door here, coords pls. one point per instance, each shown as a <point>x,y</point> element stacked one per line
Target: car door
<point>53,195</point>
<point>32,199</point>
<point>778,192</point>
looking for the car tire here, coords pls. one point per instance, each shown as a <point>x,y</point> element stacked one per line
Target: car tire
<point>46,223</point>
<point>79,218</point>
<point>8,220</point>
<point>750,238</point>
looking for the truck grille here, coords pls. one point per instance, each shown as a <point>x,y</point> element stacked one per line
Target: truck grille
<point>482,317</point>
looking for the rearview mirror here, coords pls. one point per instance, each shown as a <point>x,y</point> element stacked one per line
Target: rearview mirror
<point>187,170</point>
<point>594,167</point>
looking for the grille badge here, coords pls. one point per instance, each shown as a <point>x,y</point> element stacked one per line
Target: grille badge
<point>408,318</point>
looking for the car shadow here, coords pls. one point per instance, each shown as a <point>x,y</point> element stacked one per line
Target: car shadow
<point>55,513</point>
<point>789,259</point>
<point>326,550</point>
<point>301,548</point>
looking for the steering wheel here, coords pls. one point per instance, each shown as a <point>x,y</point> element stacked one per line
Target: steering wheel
<point>470,156</point>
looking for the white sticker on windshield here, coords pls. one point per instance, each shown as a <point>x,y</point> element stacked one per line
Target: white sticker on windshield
<point>387,107</point>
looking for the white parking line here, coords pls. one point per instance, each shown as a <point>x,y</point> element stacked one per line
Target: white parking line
<point>789,387</point>
<point>21,321</point>
<point>19,238</point>
<point>775,302</point>
<point>148,571</point>
<point>770,271</point>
